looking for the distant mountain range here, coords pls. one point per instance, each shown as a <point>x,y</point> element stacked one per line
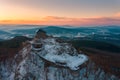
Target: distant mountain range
<point>110,34</point>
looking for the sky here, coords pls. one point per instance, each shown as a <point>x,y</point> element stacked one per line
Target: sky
<point>60,12</point>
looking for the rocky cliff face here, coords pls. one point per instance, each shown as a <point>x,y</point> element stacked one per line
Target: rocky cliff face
<point>45,58</point>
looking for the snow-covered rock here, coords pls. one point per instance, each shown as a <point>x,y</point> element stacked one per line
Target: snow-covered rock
<point>48,59</point>
<point>61,54</point>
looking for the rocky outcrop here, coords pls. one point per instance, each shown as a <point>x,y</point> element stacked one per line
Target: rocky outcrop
<point>44,58</point>
<point>41,34</point>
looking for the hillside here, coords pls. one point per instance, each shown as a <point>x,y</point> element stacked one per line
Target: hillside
<point>49,58</point>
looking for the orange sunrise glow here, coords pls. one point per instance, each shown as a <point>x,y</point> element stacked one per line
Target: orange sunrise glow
<point>59,13</point>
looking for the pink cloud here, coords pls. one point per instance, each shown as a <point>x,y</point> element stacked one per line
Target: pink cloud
<point>53,20</point>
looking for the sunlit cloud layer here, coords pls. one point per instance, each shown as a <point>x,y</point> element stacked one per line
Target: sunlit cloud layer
<point>53,20</point>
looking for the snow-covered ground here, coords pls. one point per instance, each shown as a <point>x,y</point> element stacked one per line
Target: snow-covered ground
<point>62,54</point>
<point>73,62</point>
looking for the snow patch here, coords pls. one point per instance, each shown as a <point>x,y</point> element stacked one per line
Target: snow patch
<point>62,54</point>
<point>73,62</point>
